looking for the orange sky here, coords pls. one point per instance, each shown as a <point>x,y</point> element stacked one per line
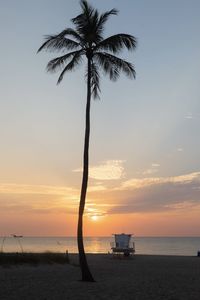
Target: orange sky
<point>151,206</point>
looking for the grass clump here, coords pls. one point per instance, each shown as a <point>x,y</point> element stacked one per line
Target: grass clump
<point>33,258</point>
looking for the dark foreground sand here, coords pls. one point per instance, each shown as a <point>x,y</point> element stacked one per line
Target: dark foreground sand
<point>139,278</point>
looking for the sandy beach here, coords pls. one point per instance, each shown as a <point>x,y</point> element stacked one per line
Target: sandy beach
<point>141,278</point>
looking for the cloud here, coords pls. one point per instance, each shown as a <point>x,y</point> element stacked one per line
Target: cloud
<point>136,195</point>
<point>23,198</point>
<point>42,199</point>
<point>11,188</point>
<point>155,165</point>
<point>143,182</point>
<point>180,149</point>
<point>150,195</point>
<point>159,199</point>
<point>108,170</point>
<point>91,210</point>
<point>152,170</point>
<point>32,203</point>
<point>149,171</point>
<point>189,116</point>
<point>192,116</point>
<point>96,188</point>
<point>158,194</point>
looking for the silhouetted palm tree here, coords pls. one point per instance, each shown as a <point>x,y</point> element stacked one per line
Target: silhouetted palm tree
<point>87,40</point>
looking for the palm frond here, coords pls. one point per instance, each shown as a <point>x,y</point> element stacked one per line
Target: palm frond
<point>87,22</point>
<point>117,42</point>
<point>95,81</point>
<point>104,17</point>
<point>113,65</point>
<point>86,8</point>
<point>107,65</point>
<point>77,58</point>
<point>59,41</point>
<point>58,62</point>
<point>74,34</point>
<point>83,19</point>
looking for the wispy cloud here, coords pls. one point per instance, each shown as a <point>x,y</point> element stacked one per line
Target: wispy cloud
<point>154,169</point>
<point>155,165</point>
<point>143,182</point>
<point>149,171</point>
<point>96,188</point>
<point>149,194</point>
<point>42,199</point>
<point>189,116</point>
<point>192,115</point>
<point>38,198</point>
<point>91,210</point>
<point>158,194</point>
<point>28,203</point>
<point>107,170</point>
<point>11,188</point>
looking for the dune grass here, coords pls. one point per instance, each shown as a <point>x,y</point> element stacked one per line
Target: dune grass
<point>33,258</point>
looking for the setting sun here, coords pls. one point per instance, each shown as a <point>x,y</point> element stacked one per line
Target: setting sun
<point>95,218</point>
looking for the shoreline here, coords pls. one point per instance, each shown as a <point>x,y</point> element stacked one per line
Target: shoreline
<point>158,246</point>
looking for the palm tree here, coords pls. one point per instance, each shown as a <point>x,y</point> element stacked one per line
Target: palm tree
<point>86,40</point>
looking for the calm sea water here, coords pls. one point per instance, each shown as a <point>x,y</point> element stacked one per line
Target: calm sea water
<point>143,245</point>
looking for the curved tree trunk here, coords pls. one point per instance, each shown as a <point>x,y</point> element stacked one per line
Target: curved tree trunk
<point>86,274</point>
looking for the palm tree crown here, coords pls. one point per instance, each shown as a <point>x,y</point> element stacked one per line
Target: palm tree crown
<point>87,40</point>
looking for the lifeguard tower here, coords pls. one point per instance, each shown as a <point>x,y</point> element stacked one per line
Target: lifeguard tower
<point>123,244</point>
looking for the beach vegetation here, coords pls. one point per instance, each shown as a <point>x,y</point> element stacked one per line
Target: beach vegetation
<point>19,258</point>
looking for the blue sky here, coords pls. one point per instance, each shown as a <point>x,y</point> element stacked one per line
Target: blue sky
<point>146,128</point>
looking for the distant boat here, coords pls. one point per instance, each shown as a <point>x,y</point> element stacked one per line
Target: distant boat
<point>18,240</point>
<point>17,236</point>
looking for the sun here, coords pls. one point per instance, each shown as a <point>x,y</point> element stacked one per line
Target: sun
<point>94,218</point>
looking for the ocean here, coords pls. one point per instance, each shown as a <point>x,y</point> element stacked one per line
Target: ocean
<point>187,246</point>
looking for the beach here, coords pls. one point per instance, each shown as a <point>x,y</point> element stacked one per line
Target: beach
<point>142,277</point>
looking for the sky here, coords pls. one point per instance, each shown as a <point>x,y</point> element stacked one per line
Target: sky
<point>144,150</point>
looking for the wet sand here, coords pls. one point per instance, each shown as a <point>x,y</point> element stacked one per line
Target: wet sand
<point>142,277</point>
